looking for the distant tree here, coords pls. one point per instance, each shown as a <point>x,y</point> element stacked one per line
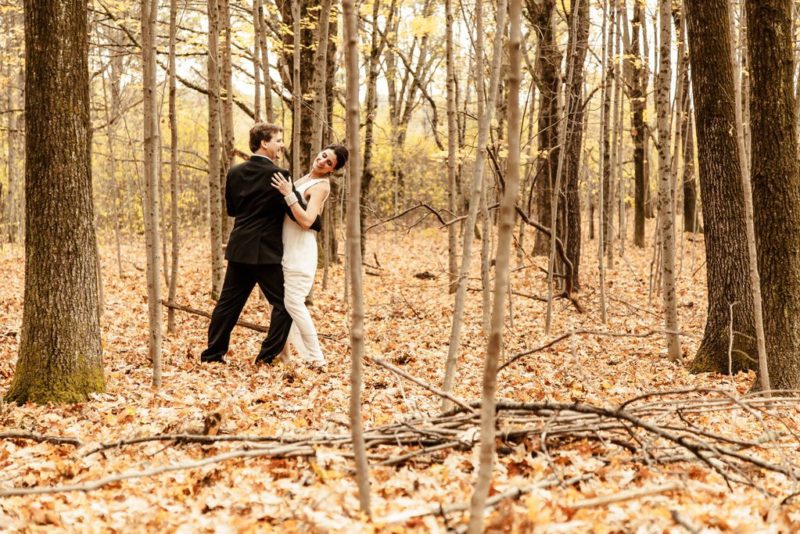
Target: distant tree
<point>60,354</point>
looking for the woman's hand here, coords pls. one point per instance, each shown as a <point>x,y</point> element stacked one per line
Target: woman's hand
<point>280,183</point>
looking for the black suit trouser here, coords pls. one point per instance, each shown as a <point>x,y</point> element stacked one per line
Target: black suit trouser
<point>240,279</point>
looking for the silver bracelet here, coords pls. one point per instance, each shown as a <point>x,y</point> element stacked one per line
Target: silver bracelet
<point>290,199</point>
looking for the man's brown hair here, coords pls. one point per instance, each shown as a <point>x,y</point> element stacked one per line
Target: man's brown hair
<point>263,131</point>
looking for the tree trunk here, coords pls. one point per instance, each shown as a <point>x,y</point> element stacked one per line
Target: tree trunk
<point>173,169</point>
<point>666,212</point>
<point>721,189</point>
<point>354,250</point>
<point>452,149</point>
<point>638,101</point>
<point>152,177</point>
<point>226,104</point>
<point>60,354</point>
<point>261,36</point>
<point>574,143</point>
<point>215,198</point>
<point>776,184</point>
<point>297,92</point>
<point>548,66</point>
<point>505,232</point>
<point>485,108</point>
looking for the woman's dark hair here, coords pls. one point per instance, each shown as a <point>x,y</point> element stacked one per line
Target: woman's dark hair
<point>262,132</point>
<point>341,155</point>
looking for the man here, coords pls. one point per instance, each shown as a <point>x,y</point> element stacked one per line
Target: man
<point>255,247</point>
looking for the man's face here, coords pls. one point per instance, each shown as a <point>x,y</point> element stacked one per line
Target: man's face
<point>274,146</point>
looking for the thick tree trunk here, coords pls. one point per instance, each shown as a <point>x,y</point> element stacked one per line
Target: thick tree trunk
<point>721,188</point>
<point>776,184</point>
<point>60,354</point>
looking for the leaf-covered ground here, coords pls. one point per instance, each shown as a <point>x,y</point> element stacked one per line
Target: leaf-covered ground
<point>407,324</point>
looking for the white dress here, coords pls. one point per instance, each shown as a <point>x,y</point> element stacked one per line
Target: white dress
<point>299,267</point>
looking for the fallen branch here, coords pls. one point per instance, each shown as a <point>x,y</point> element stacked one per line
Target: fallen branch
<point>283,452</point>
<point>201,313</point>
<point>40,438</point>
<point>180,438</point>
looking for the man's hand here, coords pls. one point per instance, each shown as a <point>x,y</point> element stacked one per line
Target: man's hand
<point>280,183</point>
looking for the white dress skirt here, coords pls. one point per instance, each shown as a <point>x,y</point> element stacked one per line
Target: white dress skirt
<point>299,267</point>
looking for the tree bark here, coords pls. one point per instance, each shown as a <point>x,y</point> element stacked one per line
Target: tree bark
<point>60,354</point>
<point>505,232</point>
<point>727,280</point>
<point>572,162</point>
<point>452,149</point>
<point>666,212</point>
<point>354,252</point>
<point>215,198</point>
<point>548,65</point>
<point>173,168</point>
<point>152,177</point>
<point>776,184</point>
<point>638,102</point>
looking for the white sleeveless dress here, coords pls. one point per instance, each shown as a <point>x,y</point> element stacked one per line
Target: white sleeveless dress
<point>299,267</point>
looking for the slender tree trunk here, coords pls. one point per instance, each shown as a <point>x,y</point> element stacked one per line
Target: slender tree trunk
<point>505,232</point>
<point>689,181</point>
<point>485,108</point>
<point>297,91</point>
<point>452,149</point>
<point>666,210</point>
<point>256,64</point>
<point>776,184</point>
<point>548,66</point>
<point>226,124</point>
<point>261,36</point>
<point>354,250</point>
<point>60,353</point>
<point>638,101</point>
<point>215,198</point>
<point>578,44</point>
<point>173,169</point>
<point>608,154</point>
<point>152,177</point>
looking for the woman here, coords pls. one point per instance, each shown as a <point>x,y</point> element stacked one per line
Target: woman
<point>306,200</point>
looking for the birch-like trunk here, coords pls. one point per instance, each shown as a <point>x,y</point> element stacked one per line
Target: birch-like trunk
<point>215,198</point>
<point>666,210</point>
<point>297,90</point>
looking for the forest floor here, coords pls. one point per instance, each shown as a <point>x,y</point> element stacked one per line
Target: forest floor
<point>408,321</point>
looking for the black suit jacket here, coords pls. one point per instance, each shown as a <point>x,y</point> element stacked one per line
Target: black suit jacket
<point>258,208</point>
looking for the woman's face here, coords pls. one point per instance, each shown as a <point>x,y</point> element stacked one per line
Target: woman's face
<point>325,162</point>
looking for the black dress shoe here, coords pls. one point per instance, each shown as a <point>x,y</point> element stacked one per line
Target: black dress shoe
<point>263,361</point>
<point>212,359</point>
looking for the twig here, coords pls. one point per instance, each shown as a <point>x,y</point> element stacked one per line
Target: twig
<point>419,382</point>
<point>623,496</point>
<point>180,438</point>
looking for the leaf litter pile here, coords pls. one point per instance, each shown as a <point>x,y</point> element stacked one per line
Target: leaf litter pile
<point>597,430</point>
